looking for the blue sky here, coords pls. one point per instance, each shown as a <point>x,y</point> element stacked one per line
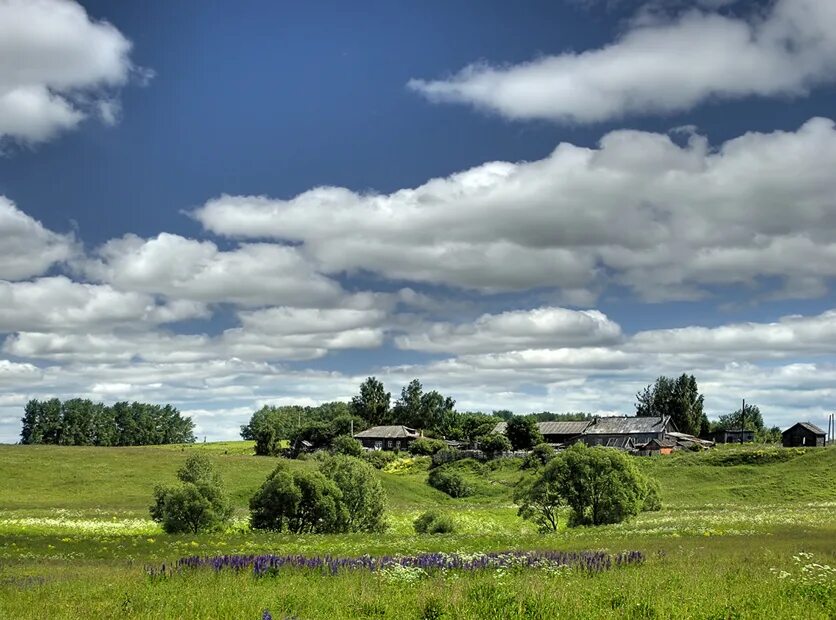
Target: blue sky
<point>527,209</point>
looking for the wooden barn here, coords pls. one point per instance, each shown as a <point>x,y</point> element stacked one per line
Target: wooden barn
<point>804,435</point>
<point>626,432</point>
<point>733,435</point>
<point>387,437</point>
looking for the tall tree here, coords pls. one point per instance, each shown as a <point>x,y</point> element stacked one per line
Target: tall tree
<point>678,398</point>
<point>372,403</point>
<point>749,418</point>
<point>522,432</point>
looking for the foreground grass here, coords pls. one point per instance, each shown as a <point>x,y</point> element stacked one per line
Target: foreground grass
<point>75,540</point>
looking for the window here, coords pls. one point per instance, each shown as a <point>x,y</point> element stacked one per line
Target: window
<point>378,445</point>
<point>390,443</point>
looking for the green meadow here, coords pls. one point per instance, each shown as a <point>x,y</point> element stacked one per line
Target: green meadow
<point>743,533</point>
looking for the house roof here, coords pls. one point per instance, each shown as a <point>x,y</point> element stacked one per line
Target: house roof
<point>563,427</point>
<point>624,425</point>
<point>570,427</point>
<point>387,432</point>
<point>807,426</point>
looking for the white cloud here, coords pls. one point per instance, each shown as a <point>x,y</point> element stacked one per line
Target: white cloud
<point>54,61</point>
<point>250,275</point>
<point>273,334</point>
<point>515,330</point>
<point>61,305</point>
<point>667,220</point>
<point>27,248</point>
<point>660,65</point>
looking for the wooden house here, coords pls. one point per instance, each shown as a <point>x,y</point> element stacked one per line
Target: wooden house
<point>802,435</point>
<point>387,437</point>
<point>657,446</point>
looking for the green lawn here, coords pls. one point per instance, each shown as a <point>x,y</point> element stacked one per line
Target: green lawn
<point>75,538</point>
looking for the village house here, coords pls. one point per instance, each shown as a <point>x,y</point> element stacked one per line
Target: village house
<point>387,437</point>
<point>804,435</point>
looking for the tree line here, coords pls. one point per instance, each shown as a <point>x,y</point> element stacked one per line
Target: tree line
<point>81,422</point>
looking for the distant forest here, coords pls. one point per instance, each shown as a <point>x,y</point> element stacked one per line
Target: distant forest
<point>79,422</point>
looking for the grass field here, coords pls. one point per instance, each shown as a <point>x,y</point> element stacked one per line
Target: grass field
<point>732,541</point>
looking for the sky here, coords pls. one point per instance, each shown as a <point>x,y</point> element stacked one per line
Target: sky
<point>528,206</point>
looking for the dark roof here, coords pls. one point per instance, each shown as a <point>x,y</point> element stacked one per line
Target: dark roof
<point>570,427</point>
<point>563,428</point>
<point>662,443</point>
<point>387,432</point>
<point>735,430</point>
<point>616,425</point>
<point>807,426</point>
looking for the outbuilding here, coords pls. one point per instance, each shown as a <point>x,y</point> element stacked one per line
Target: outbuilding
<point>804,435</point>
<point>734,435</point>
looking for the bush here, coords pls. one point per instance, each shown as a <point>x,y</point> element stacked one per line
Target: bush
<point>450,482</point>
<point>539,456</point>
<point>198,504</point>
<point>301,502</point>
<point>362,494</point>
<point>379,458</point>
<point>433,522</point>
<point>426,447</point>
<point>345,444</point>
<point>652,499</point>
<point>494,445</point>
<point>600,485</point>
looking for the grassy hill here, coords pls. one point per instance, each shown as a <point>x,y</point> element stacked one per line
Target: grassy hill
<point>34,478</point>
<point>75,538</point>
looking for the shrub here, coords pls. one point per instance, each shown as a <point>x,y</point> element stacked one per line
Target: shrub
<point>652,498</point>
<point>345,444</point>
<point>379,458</point>
<point>300,502</point>
<point>198,504</point>
<point>426,447</point>
<point>433,522</point>
<point>450,482</point>
<point>539,456</point>
<point>600,485</point>
<point>494,445</point>
<point>362,494</point>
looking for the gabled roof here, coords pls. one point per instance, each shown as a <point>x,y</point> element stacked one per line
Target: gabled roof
<point>570,427</point>
<point>808,426</point>
<point>624,425</point>
<point>387,432</point>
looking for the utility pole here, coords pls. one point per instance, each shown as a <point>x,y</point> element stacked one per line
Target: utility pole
<point>352,426</point>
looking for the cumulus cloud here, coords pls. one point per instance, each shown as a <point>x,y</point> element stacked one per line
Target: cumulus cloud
<point>250,275</point>
<point>511,331</point>
<point>272,334</point>
<point>688,217</point>
<point>660,65</point>
<point>59,304</point>
<point>27,248</point>
<point>56,66</point>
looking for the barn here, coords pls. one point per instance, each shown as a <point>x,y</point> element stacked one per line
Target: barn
<point>627,432</point>
<point>802,435</point>
<point>734,435</point>
<point>555,433</point>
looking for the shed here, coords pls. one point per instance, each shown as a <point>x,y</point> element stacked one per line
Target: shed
<point>658,446</point>
<point>387,437</point>
<point>804,434</point>
<point>734,435</point>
